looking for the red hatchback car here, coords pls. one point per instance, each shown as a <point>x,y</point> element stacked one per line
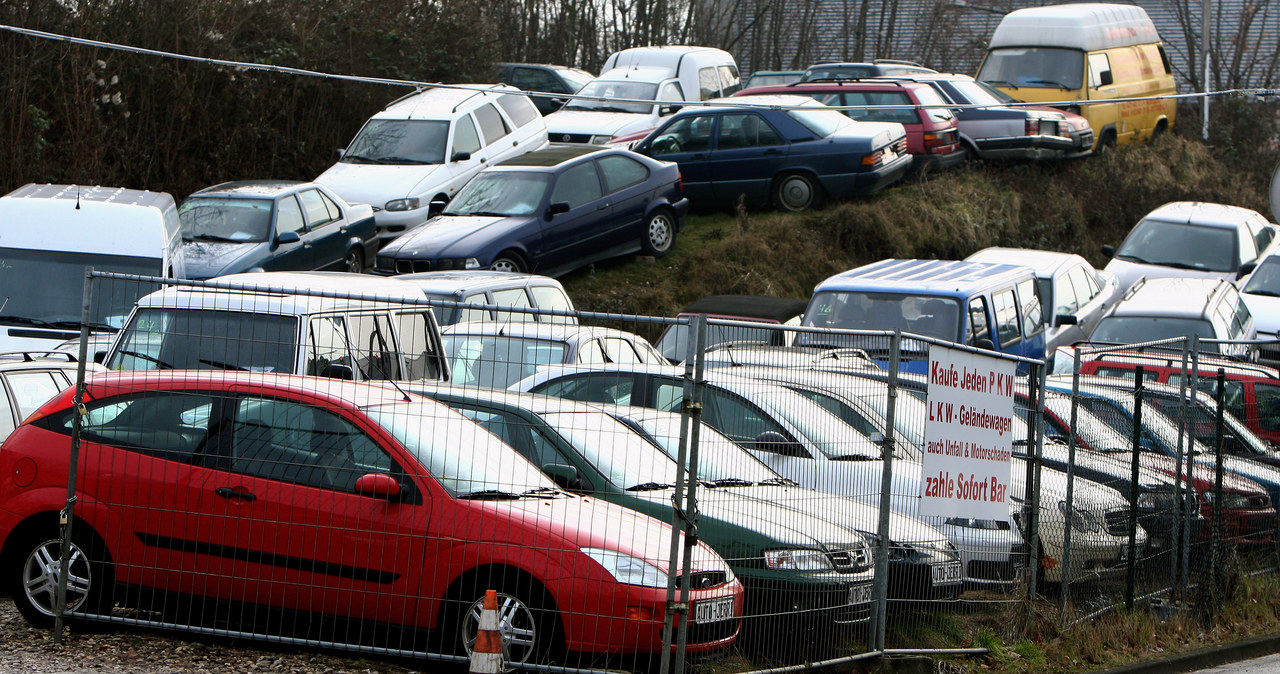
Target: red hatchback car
<point>330,503</point>
<point>933,135</point>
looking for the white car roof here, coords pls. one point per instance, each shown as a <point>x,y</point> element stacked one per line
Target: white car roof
<point>1203,213</point>
<point>1044,262</point>
<point>278,293</point>
<point>439,103</point>
<point>1172,296</point>
<point>559,332</point>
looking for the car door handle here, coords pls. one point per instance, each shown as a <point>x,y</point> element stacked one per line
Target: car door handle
<point>699,156</point>
<point>602,207</point>
<point>228,492</point>
<point>773,151</point>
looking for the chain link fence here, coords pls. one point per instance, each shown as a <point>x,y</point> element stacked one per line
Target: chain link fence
<point>312,459</point>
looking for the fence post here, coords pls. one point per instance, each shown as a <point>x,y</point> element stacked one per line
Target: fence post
<point>1132,562</point>
<point>1071,483</point>
<point>880,588</point>
<point>1180,548</point>
<point>68,511</point>
<point>1215,558</point>
<point>1184,439</point>
<point>1032,494</point>
<point>684,509</point>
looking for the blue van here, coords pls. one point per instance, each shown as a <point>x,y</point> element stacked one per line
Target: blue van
<point>985,305</point>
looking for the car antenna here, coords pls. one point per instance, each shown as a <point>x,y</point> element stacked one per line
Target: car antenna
<point>77,197</point>
<point>407,397</point>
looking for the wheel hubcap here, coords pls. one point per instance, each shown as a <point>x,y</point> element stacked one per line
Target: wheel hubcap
<point>659,233</point>
<point>797,193</point>
<point>515,624</point>
<point>504,265</point>
<point>40,577</point>
<point>353,262</point>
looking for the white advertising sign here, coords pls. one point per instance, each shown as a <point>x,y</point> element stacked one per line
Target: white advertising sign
<point>968,439</point>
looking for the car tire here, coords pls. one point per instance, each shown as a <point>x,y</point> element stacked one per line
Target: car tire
<point>796,192</point>
<point>354,262</point>
<point>508,261</point>
<point>526,621</point>
<point>659,233</point>
<point>1107,144</point>
<point>34,578</point>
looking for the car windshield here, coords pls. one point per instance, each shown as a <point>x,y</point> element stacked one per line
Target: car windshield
<point>460,454</point>
<point>821,122</point>
<point>1100,436</point>
<point>1133,329</point>
<point>927,96</point>
<point>772,79</point>
<point>1182,246</point>
<point>1203,421</point>
<point>574,78</point>
<point>1035,67</point>
<point>229,219</point>
<point>615,451</point>
<point>504,193</point>
<point>928,315</point>
<point>1265,280</point>
<point>826,431</point>
<point>613,90</point>
<point>848,71</point>
<point>45,289</point>
<point>1114,410</point>
<point>719,458</point>
<point>975,93</point>
<point>675,340</point>
<point>399,141</point>
<point>495,361</point>
<point>206,339</point>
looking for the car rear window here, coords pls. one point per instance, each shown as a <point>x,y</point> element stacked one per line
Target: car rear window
<point>927,96</point>
<point>519,108</point>
<point>822,123</point>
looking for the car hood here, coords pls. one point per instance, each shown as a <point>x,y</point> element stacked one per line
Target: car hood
<point>206,259</point>
<point>874,134</point>
<point>1128,273</point>
<point>1266,313</point>
<point>376,184</point>
<point>1201,480</point>
<point>597,123</point>
<point>452,235</point>
<point>847,512</point>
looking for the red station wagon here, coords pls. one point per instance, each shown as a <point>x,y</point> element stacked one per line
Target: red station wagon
<point>331,501</point>
<point>933,135</point>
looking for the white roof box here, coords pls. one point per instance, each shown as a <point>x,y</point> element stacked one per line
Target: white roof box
<point>1084,26</point>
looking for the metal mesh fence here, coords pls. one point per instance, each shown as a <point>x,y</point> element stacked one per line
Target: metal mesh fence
<point>312,459</point>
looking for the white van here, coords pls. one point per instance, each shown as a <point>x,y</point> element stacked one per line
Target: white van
<point>50,233</point>
<point>356,327</point>
<point>425,146</point>
<point>631,79</point>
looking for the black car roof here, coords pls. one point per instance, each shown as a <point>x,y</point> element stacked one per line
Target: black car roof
<point>257,188</point>
<point>779,309</point>
<point>552,155</point>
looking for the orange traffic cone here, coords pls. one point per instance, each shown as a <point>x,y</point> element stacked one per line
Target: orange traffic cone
<point>486,654</point>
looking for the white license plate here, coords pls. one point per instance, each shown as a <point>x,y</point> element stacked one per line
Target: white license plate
<point>713,610</point>
<point>946,573</point>
<point>860,594</point>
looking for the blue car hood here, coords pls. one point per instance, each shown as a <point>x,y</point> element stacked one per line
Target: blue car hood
<point>206,259</point>
<point>455,235</point>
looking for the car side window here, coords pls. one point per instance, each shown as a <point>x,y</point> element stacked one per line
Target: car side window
<point>375,348</point>
<point>1248,247</point>
<point>420,359</point>
<point>1262,233</point>
<point>301,444</point>
<point>166,425</point>
<point>1006,310</point>
<point>978,330</point>
<point>577,185</point>
<point>708,83</point>
<point>526,439</point>
<point>327,352</point>
<point>745,130</point>
<point>492,125</point>
<point>7,420</point>
<point>33,388</point>
<point>1085,284</point>
<point>877,112</point>
<point>534,79</point>
<point>1267,402</point>
<point>513,297</point>
<point>730,80</point>
<point>621,172</point>
<point>289,216</point>
<point>520,109</point>
<point>1032,311</point>
<point>550,297</point>
<point>591,351</point>
<point>602,387</point>
<point>320,209</point>
<point>465,138</point>
<point>1098,64</point>
<point>1064,295</point>
<point>738,419</point>
<point>671,91</point>
<point>619,350</point>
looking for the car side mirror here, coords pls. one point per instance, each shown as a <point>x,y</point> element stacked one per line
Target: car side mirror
<point>100,357</point>
<point>436,207</point>
<point>1105,78</point>
<point>665,110</point>
<point>1247,268</point>
<point>564,475</point>
<point>774,442</point>
<point>337,371</point>
<point>1067,319</point>
<point>378,485</point>
<point>287,237</point>
<point>341,152</point>
<point>460,156</point>
<point>1109,251</point>
<point>557,208</point>
<point>986,344</point>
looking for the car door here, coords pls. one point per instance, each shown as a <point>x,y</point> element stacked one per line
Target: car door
<point>626,181</point>
<point>747,156</point>
<point>280,523</point>
<point>687,142</point>
<point>570,238</point>
<point>289,254</point>
<point>326,230</point>
<point>466,155</point>
<point>1092,303</point>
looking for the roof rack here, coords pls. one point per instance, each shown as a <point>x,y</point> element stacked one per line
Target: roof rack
<point>32,356</point>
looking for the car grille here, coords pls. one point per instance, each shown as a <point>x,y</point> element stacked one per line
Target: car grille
<point>849,559</point>
<point>701,580</point>
<point>1084,140</point>
<point>700,633</point>
<point>1117,522</point>
<point>412,266</point>
<point>571,137</point>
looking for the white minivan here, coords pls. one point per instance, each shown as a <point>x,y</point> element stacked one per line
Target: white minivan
<point>49,234</point>
<point>632,87</point>
<point>425,146</point>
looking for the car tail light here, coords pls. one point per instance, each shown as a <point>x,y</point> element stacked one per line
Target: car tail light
<point>680,182</point>
<point>873,158</point>
<point>935,141</point>
<point>1033,125</point>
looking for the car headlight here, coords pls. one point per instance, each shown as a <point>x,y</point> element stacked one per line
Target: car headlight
<point>447,263</point>
<point>601,140</point>
<point>626,569</point>
<point>406,204</point>
<point>973,523</point>
<point>797,560</point>
<point>1081,520</point>
<point>1230,500</point>
<point>1157,501</point>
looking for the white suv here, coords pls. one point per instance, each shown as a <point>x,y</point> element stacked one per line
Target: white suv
<point>1165,308</point>
<point>425,146</point>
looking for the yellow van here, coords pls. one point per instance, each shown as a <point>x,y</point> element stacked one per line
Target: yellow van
<point>1086,52</point>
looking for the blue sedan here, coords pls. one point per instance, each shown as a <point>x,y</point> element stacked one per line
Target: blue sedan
<point>548,212</point>
<point>274,225</point>
<point>793,158</point>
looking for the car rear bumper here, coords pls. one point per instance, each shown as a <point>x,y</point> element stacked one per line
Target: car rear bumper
<point>938,162</point>
<point>1024,147</point>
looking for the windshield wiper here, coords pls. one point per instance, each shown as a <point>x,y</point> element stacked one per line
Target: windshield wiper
<point>138,354</point>
<point>492,214</point>
<point>490,495</point>
<point>361,159</point>
<point>780,481</point>
<point>25,320</point>
<point>1264,293</point>
<point>1003,83</point>
<point>650,486</point>
<point>542,491</point>
<point>76,325</point>
<point>855,457</point>
<point>1053,82</point>
<point>405,160</point>
<point>223,366</point>
<point>1133,258</point>
<point>730,482</point>
<point>211,237</point>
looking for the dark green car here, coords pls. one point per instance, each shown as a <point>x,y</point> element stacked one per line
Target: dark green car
<point>800,571</point>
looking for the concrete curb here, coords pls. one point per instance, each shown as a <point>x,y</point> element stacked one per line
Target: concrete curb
<point>1203,658</point>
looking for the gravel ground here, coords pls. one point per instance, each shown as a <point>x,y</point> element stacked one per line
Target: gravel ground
<point>131,650</point>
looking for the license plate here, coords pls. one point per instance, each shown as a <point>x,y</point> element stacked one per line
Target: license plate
<point>860,594</point>
<point>713,610</point>
<point>946,573</point>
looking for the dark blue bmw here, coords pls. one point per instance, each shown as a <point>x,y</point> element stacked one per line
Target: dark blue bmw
<point>783,150</point>
<point>548,212</point>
